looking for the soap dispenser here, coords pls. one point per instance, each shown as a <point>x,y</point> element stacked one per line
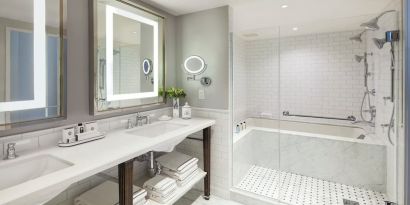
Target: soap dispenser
<point>186,111</point>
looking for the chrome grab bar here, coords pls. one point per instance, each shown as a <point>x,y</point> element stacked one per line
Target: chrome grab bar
<point>348,118</point>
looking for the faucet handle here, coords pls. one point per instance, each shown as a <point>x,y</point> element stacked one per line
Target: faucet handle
<point>11,151</point>
<point>11,145</point>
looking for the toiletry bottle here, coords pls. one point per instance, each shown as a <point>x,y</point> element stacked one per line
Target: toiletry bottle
<point>237,128</point>
<point>186,111</point>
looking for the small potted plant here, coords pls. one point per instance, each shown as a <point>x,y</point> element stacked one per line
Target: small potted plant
<point>175,94</point>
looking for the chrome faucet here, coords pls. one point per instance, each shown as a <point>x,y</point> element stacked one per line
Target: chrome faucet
<point>140,119</point>
<point>11,151</point>
<point>129,124</point>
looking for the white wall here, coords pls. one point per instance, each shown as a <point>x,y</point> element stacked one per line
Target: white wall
<point>240,82</point>
<point>205,33</point>
<point>317,75</point>
<point>382,81</point>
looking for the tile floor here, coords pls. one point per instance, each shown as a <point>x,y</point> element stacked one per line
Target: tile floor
<point>302,190</point>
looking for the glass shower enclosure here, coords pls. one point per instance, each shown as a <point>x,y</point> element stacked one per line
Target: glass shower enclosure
<point>316,114</point>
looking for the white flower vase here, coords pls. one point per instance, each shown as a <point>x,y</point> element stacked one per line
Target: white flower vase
<point>175,105</point>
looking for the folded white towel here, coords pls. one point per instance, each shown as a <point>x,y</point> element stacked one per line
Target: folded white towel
<point>179,176</point>
<point>176,161</point>
<point>188,179</point>
<point>161,199</point>
<point>105,194</point>
<point>187,166</point>
<point>166,194</point>
<point>159,183</point>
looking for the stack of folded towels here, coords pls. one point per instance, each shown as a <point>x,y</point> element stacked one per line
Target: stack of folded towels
<point>181,167</point>
<point>161,188</point>
<point>107,194</point>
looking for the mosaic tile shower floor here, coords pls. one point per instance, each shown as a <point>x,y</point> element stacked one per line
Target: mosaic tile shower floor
<point>302,190</point>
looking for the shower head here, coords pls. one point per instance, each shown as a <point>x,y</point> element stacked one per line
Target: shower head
<point>358,58</point>
<point>372,24</point>
<point>357,37</point>
<point>379,42</point>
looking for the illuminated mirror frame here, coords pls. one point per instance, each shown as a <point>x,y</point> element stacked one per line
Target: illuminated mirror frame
<point>39,34</point>
<point>110,11</point>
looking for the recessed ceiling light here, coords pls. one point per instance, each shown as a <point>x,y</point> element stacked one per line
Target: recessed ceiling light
<point>295,28</point>
<point>284,6</point>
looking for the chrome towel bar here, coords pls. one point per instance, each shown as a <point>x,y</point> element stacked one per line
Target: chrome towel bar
<point>348,118</point>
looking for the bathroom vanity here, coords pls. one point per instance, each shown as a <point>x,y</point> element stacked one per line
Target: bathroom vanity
<point>119,147</point>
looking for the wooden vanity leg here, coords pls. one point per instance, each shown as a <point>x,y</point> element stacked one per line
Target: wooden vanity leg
<point>125,182</point>
<point>207,162</point>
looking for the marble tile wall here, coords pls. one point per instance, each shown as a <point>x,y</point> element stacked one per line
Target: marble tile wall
<point>355,164</point>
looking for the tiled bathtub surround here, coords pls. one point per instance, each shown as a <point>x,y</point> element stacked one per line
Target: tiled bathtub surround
<point>350,163</point>
<point>310,74</point>
<point>319,75</point>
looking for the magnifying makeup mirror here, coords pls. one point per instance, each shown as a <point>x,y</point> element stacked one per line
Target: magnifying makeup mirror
<point>195,65</point>
<point>147,66</point>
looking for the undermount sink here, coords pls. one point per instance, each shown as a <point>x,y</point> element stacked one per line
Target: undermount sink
<point>20,171</point>
<point>156,129</point>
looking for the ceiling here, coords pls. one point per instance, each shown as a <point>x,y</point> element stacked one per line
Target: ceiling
<point>255,16</point>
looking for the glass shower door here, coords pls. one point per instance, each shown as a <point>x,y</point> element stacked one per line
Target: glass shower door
<point>335,115</point>
<point>255,56</point>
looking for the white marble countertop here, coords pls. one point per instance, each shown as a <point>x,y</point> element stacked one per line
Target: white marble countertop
<point>94,157</point>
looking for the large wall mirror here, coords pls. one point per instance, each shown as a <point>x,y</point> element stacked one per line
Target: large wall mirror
<point>31,61</point>
<point>128,56</point>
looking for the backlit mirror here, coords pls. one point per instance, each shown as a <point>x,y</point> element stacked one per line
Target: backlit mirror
<point>128,60</point>
<point>31,60</point>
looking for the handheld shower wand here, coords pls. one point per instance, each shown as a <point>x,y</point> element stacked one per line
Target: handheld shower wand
<point>391,37</point>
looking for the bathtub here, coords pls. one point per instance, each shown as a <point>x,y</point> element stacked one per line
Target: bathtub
<point>324,151</point>
<point>343,132</point>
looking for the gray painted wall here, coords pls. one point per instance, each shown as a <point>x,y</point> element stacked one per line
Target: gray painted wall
<point>78,67</point>
<point>206,34</point>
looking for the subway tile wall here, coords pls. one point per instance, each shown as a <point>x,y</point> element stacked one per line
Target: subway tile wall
<point>310,74</point>
<point>380,64</point>
<point>319,76</point>
<point>220,152</point>
<point>240,79</point>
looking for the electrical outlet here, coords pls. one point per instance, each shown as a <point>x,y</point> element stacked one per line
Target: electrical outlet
<point>201,94</point>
